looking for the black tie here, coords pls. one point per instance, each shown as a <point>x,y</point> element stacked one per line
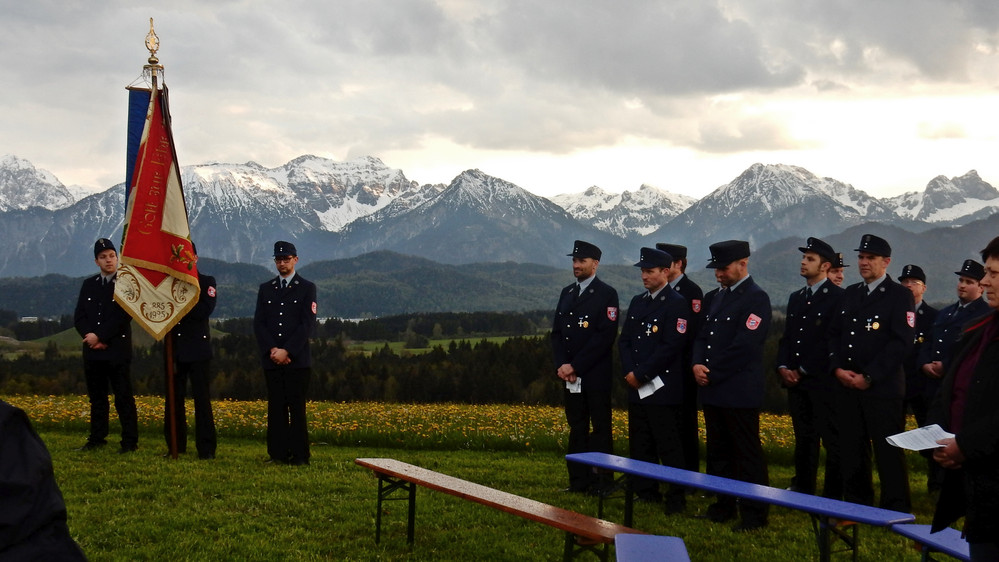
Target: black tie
<point>717,301</point>
<point>284,283</point>
<point>808,293</point>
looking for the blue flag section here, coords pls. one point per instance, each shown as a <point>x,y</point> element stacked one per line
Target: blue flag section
<point>138,106</point>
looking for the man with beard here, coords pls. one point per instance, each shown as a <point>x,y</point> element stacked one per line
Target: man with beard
<point>802,363</point>
<point>583,335</point>
<point>728,367</point>
<point>869,340</point>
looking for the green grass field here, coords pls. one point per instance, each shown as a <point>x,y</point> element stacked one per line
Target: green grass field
<point>142,506</point>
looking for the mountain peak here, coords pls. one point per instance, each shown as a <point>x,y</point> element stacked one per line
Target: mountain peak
<point>23,186</point>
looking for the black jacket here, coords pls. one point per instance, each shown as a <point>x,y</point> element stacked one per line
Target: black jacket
<point>192,338</point>
<point>584,331</point>
<point>286,319</point>
<point>730,344</point>
<point>97,312</point>
<point>973,490</point>
<point>805,342</point>
<point>652,342</point>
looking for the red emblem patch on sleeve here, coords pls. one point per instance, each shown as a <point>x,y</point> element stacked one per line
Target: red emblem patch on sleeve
<point>681,325</point>
<point>695,305</point>
<point>612,313</point>
<point>910,319</point>
<point>313,307</point>
<point>211,291</point>
<point>753,322</point>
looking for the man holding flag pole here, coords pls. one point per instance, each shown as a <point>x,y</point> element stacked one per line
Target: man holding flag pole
<point>157,282</point>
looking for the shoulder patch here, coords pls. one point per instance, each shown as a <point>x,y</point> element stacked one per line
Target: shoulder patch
<point>313,307</point>
<point>910,319</point>
<point>612,313</point>
<point>753,322</point>
<point>211,291</point>
<point>695,305</point>
<point>681,325</point>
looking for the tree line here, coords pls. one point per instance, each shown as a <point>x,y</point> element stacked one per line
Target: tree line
<point>469,369</point>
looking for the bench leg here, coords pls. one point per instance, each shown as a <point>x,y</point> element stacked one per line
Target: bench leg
<point>386,486</point>
<point>826,532</point>
<point>574,547</point>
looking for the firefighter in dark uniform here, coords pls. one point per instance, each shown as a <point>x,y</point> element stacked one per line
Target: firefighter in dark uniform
<point>728,367</point>
<point>914,279</point>
<point>935,355</point>
<point>651,346</point>
<point>583,335</point>
<point>836,274</point>
<point>192,352</point>
<point>803,366</point>
<point>869,340</point>
<point>678,280</point>
<point>284,320</point>
<point>107,352</point>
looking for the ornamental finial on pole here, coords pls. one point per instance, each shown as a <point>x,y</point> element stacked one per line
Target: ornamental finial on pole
<point>152,43</point>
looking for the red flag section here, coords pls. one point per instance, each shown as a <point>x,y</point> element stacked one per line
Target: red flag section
<point>158,273</point>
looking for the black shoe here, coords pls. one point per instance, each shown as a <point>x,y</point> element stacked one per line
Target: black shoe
<point>206,456</point>
<point>125,449</point>
<point>299,462</point>
<point>746,526</point>
<point>273,460</point>
<point>91,445</point>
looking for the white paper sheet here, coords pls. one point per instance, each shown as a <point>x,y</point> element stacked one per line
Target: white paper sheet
<point>650,387</point>
<point>919,439</point>
<point>575,387</point>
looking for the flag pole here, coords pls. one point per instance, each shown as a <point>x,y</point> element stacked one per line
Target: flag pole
<point>153,66</point>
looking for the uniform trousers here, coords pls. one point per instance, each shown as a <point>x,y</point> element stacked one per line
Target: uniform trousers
<point>653,436</point>
<point>690,438</point>
<point>583,410</point>
<point>287,429</point>
<point>734,451</point>
<point>811,418</point>
<point>99,374</point>
<point>204,421</point>
<point>865,421</point>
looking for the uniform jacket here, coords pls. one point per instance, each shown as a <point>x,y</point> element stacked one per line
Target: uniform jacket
<point>872,334</point>
<point>97,312</point>
<point>730,344</point>
<point>192,338</point>
<point>652,342</point>
<point>584,331</point>
<point>973,491</point>
<point>915,380</point>
<point>695,298</point>
<point>947,330</point>
<point>285,318</point>
<point>805,342</point>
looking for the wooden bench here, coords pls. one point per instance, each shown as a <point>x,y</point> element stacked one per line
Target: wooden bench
<point>828,515</point>
<point>948,541</point>
<point>583,533</point>
<point>642,548</point>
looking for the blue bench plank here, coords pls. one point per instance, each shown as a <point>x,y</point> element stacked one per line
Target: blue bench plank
<point>650,547</point>
<point>795,500</point>
<point>948,541</point>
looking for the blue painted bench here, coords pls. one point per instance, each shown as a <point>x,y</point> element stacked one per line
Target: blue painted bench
<point>642,548</point>
<point>583,533</point>
<point>828,515</point>
<point>948,541</point>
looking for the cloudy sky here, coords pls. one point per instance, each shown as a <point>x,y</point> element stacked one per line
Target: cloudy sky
<point>553,95</point>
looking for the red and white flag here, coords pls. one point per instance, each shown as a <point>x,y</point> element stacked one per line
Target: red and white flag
<point>158,272</point>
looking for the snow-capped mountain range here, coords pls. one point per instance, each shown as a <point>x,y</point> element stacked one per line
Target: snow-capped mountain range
<point>333,209</point>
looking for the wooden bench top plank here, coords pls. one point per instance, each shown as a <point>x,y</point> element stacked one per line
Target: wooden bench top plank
<point>784,498</point>
<point>650,547</point>
<point>570,521</point>
<point>948,541</point>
